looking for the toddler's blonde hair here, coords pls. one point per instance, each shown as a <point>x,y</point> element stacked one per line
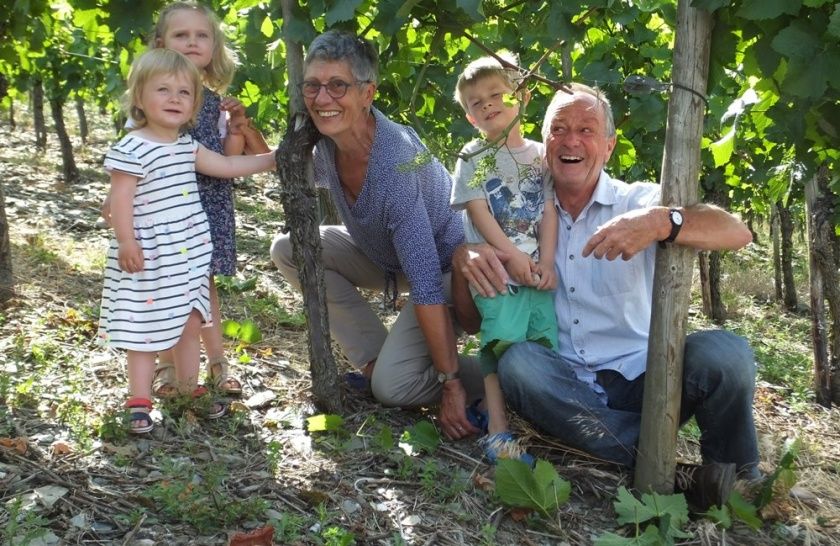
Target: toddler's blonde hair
<point>485,67</point>
<point>147,66</point>
<point>219,73</point>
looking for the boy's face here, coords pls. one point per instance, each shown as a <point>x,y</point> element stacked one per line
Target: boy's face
<point>491,105</point>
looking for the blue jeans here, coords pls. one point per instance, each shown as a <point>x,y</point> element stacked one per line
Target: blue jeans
<point>718,385</point>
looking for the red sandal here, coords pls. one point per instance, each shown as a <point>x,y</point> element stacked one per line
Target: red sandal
<point>141,409</point>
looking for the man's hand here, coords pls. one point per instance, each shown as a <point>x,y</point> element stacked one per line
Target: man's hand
<point>482,266</point>
<point>453,411</point>
<point>627,234</point>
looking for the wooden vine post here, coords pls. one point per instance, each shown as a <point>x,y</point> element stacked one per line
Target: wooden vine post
<point>824,260</point>
<point>298,197</point>
<point>656,462</point>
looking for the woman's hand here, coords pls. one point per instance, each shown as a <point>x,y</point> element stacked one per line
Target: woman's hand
<point>453,411</point>
<point>130,257</point>
<point>482,266</point>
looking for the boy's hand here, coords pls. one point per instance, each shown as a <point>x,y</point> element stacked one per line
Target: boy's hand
<point>520,268</point>
<point>547,276</point>
<point>130,257</point>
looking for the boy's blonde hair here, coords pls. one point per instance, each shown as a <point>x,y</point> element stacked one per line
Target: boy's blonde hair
<point>147,66</point>
<point>485,67</point>
<point>219,73</point>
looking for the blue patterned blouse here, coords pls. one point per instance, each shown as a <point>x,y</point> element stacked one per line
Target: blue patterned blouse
<point>401,220</point>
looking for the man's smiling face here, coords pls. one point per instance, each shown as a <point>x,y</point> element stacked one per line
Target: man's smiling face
<point>577,145</point>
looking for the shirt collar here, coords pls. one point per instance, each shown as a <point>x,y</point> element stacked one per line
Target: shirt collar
<point>604,194</point>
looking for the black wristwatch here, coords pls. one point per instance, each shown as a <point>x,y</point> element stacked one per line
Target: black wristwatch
<point>444,377</point>
<point>676,218</point>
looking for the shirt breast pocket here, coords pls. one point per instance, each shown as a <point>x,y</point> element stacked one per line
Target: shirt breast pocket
<point>615,277</point>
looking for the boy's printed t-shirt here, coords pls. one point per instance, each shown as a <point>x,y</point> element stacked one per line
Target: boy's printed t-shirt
<point>511,181</point>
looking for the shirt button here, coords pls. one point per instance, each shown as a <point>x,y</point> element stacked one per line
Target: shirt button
<point>576,321</point>
<point>572,289</point>
<point>571,256</point>
<point>582,351</point>
<point>568,228</point>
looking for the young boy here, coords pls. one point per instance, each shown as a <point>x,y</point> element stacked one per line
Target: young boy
<point>499,182</point>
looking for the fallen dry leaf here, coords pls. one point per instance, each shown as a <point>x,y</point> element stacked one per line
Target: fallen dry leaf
<point>60,447</point>
<point>258,537</point>
<point>18,444</point>
<point>519,514</point>
<point>483,482</point>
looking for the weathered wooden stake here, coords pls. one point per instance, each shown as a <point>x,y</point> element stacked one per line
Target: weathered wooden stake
<point>655,464</point>
<point>297,194</point>
<point>825,287</point>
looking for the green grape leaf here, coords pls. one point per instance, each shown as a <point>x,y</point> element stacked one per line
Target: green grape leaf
<point>650,537</point>
<point>267,27</point>
<point>472,8</point>
<point>799,39</point>
<point>385,438</point>
<point>341,11</point>
<point>834,23</point>
<point>768,9</point>
<point>720,516</point>
<point>743,510</point>
<point>542,489</point>
<point>423,436</point>
<point>324,422</point>
<point>723,147</point>
<point>230,328</point>
<point>249,332</point>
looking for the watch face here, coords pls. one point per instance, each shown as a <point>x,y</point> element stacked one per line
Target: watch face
<point>677,217</point>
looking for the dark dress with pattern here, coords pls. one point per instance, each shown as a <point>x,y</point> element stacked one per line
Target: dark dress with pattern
<point>216,193</point>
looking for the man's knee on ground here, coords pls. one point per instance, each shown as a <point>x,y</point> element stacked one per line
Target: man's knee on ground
<point>722,355</point>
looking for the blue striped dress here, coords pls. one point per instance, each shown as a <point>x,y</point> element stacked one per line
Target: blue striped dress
<point>147,311</point>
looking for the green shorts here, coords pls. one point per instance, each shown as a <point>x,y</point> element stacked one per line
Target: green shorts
<point>527,314</point>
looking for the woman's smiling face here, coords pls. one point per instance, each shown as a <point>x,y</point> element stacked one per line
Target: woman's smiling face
<point>336,116</point>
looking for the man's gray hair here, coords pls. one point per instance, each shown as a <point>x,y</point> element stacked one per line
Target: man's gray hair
<point>337,45</point>
<point>561,97</point>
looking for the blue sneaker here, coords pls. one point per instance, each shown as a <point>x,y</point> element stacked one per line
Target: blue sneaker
<point>478,418</point>
<point>357,382</point>
<point>504,445</point>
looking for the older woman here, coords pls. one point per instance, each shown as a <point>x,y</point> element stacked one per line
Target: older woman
<point>399,233</point>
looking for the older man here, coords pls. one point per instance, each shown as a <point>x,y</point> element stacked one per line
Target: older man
<point>589,394</point>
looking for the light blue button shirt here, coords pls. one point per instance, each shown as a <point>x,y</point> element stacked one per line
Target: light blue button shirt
<point>603,307</point>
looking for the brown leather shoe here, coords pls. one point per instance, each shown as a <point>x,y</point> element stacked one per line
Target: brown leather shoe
<point>705,486</point>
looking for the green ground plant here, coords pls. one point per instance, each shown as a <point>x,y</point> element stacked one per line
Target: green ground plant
<point>22,526</point>
<point>194,493</point>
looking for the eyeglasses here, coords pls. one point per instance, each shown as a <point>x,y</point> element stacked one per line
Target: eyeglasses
<point>335,88</point>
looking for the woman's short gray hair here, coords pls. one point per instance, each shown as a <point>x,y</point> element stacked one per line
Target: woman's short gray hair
<point>337,45</point>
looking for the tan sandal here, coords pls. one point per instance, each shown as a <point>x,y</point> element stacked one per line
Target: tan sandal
<point>218,374</point>
<point>213,408</point>
<point>163,384</point>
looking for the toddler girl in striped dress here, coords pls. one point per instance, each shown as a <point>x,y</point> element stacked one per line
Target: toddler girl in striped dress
<point>156,293</point>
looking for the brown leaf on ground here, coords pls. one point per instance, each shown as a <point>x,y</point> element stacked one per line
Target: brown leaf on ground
<point>519,514</point>
<point>18,444</point>
<point>258,537</point>
<point>483,482</point>
<point>60,447</point>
